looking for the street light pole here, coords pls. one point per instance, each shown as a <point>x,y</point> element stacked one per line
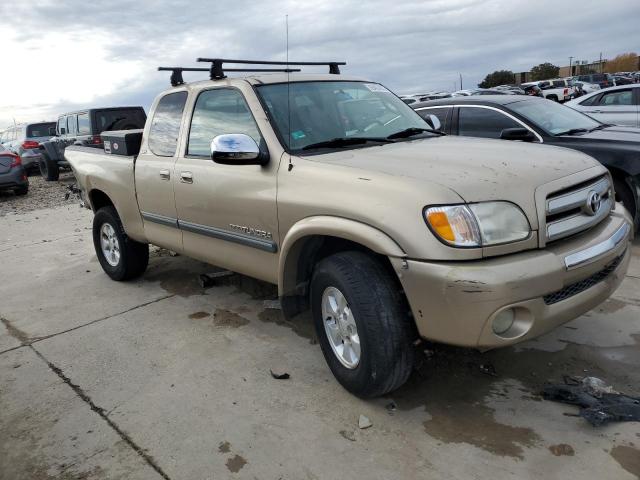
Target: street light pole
<point>570,70</point>
<point>460,81</point>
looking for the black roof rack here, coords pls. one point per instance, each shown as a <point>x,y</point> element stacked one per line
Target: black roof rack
<point>176,72</point>
<point>217,70</point>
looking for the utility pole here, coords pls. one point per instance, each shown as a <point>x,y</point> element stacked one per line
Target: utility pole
<point>460,81</point>
<point>600,62</point>
<point>570,70</point>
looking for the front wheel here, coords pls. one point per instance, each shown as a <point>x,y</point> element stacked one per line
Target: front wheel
<point>120,257</point>
<point>624,195</point>
<point>362,323</point>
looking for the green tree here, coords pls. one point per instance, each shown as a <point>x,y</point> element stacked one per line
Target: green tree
<point>499,77</point>
<point>544,71</point>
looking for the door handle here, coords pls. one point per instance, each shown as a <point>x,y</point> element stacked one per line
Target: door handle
<point>186,177</point>
<point>165,174</point>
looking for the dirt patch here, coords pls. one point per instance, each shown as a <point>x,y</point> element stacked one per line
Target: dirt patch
<point>225,318</point>
<point>628,458</point>
<point>235,463</point>
<point>181,282</point>
<point>302,324</point>
<point>455,390</point>
<point>15,332</point>
<point>42,194</point>
<point>562,449</point>
<point>199,315</point>
<point>348,434</point>
<point>612,305</point>
<point>224,447</point>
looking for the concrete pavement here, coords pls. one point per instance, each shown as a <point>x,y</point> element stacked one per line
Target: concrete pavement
<point>160,378</point>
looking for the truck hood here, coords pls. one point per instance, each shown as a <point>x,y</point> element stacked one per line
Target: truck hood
<point>476,169</point>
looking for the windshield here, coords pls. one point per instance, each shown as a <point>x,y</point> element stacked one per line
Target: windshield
<point>553,117</point>
<point>38,130</point>
<point>323,111</point>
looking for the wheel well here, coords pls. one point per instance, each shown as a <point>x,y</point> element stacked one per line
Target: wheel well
<point>99,199</point>
<point>304,255</point>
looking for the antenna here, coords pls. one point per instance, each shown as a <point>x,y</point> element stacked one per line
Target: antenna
<point>286,21</point>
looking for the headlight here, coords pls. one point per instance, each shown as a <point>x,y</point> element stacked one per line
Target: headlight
<point>478,224</point>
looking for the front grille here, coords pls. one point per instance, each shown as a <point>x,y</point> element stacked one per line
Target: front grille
<point>582,285</point>
<point>578,208</point>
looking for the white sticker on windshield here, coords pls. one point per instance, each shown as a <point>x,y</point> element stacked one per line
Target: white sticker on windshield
<point>376,87</point>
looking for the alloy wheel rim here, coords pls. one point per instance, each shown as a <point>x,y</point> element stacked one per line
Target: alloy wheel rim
<point>109,244</point>
<point>340,327</point>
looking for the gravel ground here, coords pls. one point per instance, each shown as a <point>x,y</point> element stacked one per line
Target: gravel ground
<point>41,194</point>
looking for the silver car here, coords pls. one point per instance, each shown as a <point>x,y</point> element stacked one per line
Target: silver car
<point>617,105</point>
<point>24,140</point>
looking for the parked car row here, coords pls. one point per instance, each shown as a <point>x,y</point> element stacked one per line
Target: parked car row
<point>538,121</point>
<point>40,146</point>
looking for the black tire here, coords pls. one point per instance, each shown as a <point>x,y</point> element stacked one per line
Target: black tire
<point>22,190</point>
<point>384,327</point>
<point>553,98</point>
<point>624,194</point>
<point>134,256</point>
<point>49,169</point>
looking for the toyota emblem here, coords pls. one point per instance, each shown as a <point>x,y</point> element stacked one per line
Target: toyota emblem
<point>593,203</point>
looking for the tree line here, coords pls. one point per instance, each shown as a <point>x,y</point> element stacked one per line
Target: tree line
<point>626,62</point>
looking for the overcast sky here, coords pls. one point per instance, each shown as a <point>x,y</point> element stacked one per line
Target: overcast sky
<point>62,55</point>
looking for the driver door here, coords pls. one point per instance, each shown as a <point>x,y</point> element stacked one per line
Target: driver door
<point>227,213</point>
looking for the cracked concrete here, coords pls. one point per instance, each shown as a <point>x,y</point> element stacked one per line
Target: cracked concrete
<point>159,378</point>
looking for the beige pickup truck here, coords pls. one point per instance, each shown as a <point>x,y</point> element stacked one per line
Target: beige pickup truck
<point>335,190</point>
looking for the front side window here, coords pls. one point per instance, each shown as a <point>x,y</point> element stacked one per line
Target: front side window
<point>553,117</point>
<point>619,97</point>
<point>483,122</point>
<point>165,126</point>
<point>307,113</point>
<point>217,112</point>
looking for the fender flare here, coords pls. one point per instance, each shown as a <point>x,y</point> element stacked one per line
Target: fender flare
<point>328,226</point>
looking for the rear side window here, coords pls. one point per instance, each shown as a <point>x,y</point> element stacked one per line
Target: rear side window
<point>442,113</point>
<point>41,130</point>
<point>483,122</point>
<point>619,97</point>
<point>84,127</point>
<point>165,126</point>
<point>119,119</point>
<point>218,112</point>
<point>71,124</point>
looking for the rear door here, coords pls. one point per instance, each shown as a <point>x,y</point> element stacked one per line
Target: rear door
<point>616,106</point>
<point>154,171</point>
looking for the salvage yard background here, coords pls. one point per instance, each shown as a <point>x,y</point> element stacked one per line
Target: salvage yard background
<point>162,378</point>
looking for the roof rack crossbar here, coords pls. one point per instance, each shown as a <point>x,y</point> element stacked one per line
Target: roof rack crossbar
<point>176,72</point>
<point>217,70</point>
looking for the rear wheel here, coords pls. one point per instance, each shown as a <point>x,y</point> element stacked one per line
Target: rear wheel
<point>120,257</point>
<point>362,323</point>
<point>49,169</point>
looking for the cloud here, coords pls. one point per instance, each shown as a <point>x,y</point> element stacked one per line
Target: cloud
<point>66,55</point>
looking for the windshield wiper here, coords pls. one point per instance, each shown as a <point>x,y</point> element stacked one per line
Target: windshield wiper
<point>340,142</point>
<point>411,131</point>
<point>601,126</point>
<point>573,131</point>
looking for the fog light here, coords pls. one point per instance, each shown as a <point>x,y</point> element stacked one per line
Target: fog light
<point>503,321</point>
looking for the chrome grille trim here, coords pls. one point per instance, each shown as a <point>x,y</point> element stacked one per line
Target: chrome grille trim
<point>575,199</point>
<point>568,213</point>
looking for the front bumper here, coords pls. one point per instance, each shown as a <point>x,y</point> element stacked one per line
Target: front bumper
<point>456,302</point>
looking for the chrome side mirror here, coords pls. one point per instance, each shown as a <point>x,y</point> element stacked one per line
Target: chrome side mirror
<point>237,149</point>
<point>434,122</point>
